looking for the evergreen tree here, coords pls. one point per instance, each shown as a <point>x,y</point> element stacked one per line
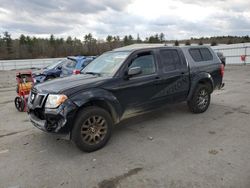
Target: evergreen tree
<point>52,40</point>
<point>154,39</point>
<point>69,40</point>
<point>32,47</point>
<point>130,38</point>
<point>138,39</point>
<point>8,42</point>
<point>22,39</point>
<point>116,38</point>
<point>109,38</point>
<point>162,37</point>
<point>127,40</point>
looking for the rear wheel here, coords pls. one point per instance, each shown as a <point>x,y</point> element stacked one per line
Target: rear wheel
<point>92,129</point>
<point>200,100</point>
<point>19,104</point>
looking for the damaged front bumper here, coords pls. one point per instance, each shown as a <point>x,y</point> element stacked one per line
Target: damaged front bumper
<point>59,120</point>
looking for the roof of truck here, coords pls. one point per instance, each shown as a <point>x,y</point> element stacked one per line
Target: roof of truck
<point>134,47</point>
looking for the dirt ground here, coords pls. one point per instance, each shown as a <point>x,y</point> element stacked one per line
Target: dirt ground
<point>170,147</point>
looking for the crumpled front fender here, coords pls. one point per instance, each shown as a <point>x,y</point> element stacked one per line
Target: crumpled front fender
<point>98,94</point>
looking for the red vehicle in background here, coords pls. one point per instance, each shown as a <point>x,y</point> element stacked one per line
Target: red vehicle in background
<point>24,85</point>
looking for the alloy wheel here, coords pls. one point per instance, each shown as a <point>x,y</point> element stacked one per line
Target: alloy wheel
<point>202,99</point>
<point>94,129</point>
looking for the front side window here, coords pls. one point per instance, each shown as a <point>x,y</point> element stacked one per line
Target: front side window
<point>146,62</point>
<point>106,64</point>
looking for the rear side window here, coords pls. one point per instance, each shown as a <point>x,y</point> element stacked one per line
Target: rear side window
<point>170,59</point>
<point>206,54</point>
<point>201,54</point>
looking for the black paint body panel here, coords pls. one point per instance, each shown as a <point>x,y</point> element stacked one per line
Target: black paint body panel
<point>123,96</point>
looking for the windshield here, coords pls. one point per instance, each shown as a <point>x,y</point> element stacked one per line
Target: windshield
<point>106,64</point>
<point>54,65</point>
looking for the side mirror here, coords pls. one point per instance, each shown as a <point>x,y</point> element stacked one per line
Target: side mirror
<point>59,67</point>
<point>134,71</point>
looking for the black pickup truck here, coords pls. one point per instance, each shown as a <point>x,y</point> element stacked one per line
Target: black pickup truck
<point>120,83</point>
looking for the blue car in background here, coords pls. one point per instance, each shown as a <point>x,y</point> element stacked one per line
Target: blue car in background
<point>65,67</point>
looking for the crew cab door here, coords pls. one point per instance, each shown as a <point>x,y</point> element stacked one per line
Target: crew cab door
<point>174,81</point>
<point>135,92</point>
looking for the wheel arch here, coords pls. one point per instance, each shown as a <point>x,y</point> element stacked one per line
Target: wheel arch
<point>101,98</point>
<point>102,104</point>
<point>202,78</point>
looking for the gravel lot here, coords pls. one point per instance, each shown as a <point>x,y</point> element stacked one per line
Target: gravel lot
<point>170,147</point>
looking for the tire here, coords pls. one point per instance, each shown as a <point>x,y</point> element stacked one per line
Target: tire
<point>92,129</point>
<point>19,104</point>
<point>200,100</point>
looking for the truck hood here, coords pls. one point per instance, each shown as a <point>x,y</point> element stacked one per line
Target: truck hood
<point>69,85</point>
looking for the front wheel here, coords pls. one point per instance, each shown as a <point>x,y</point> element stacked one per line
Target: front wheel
<point>200,100</point>
<point>92,129</point>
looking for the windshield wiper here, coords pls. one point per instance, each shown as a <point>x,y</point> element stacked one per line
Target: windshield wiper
<point>93,73</point>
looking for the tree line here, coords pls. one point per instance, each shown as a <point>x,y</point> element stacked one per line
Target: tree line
<point>26,47</point>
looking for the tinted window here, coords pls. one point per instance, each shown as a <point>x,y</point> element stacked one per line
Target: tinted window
<point>196,55</point>
<point>146,62</point>
<point>170,60</point>
<point>201,54</point>
<point>206,54</point>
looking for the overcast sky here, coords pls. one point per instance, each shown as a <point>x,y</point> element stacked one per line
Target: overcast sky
<point>177,19</point>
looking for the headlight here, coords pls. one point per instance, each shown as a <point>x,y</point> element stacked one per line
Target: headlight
<point>53,101</point>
